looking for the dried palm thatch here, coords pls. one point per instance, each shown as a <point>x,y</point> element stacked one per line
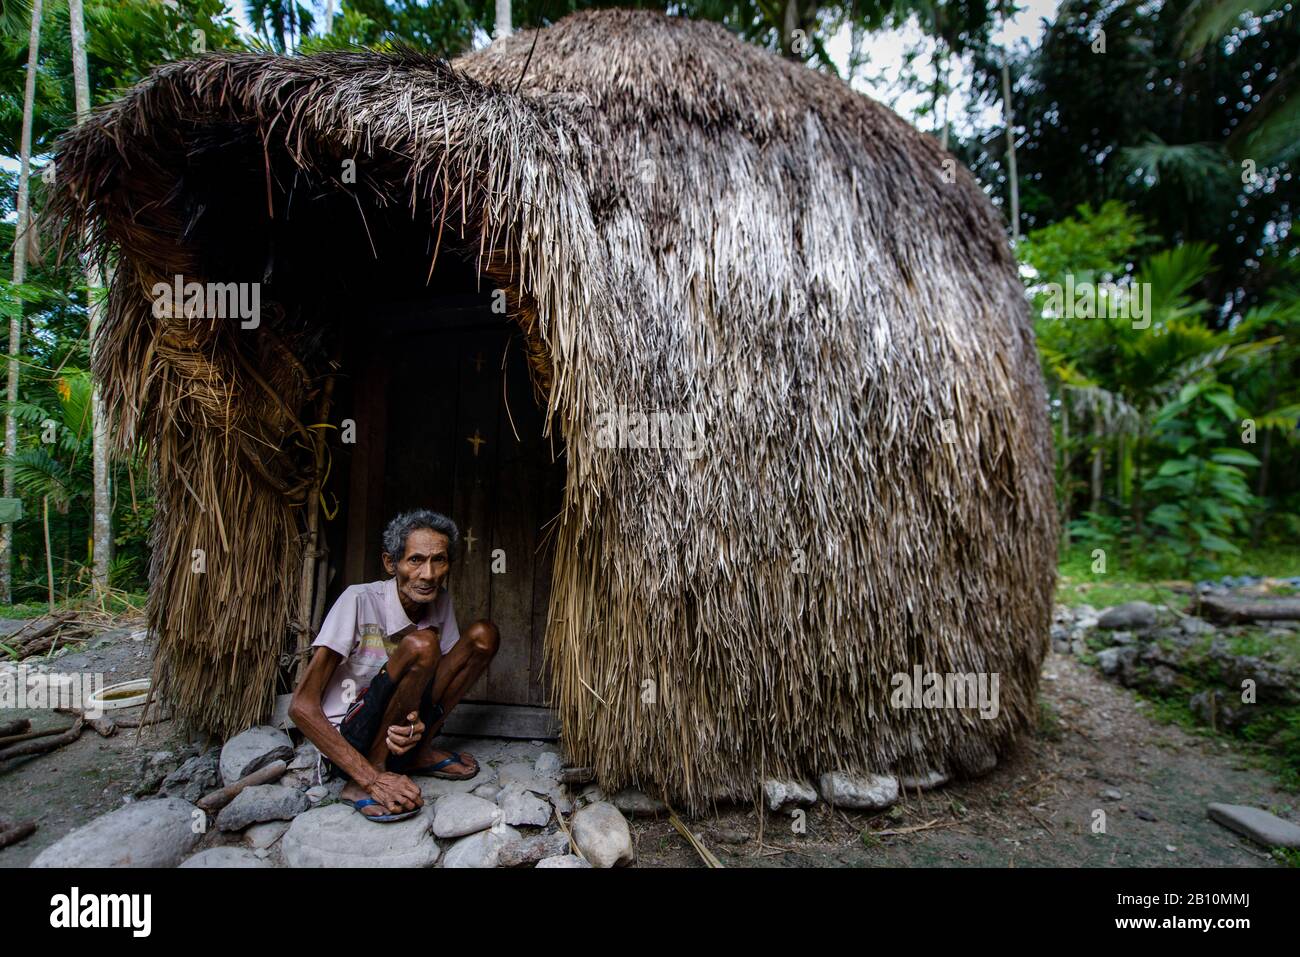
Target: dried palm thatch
<point>684,223</point>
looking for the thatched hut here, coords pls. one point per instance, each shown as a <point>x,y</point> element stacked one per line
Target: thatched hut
<point>473,265</point>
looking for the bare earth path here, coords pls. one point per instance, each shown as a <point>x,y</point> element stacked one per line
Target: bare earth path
<point>1036,809</point>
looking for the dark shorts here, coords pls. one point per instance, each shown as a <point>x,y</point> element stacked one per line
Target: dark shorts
<point>362,724</point>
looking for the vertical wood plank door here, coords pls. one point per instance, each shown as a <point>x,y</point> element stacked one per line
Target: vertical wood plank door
<point>464,437</point>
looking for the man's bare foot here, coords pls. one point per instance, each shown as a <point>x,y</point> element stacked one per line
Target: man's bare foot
<point>466,767</point>
<point>352,791</point>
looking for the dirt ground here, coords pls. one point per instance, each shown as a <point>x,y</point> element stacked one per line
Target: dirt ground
<point>1036,809</point>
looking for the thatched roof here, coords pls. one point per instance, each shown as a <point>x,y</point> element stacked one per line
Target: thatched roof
<point>685,223</point>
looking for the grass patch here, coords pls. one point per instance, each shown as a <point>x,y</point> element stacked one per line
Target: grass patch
<point>1127,579</point>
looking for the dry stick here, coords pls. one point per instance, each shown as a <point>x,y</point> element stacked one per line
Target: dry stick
<point>573,845</point>
<point>220,798</point>
<point>16,832</point>
<point>18,726</point>
<point>41,747</point>
<point>706,855</point>
<point>28,736</point>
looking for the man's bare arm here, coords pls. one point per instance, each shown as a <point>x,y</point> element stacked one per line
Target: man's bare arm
<point>309,716</point>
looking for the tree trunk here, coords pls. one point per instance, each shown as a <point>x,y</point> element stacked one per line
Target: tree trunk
<point>102,525</point>
<point>504,24</point>
<point>329,18</point>
<point>20,275</point>
<point>1008,120</point>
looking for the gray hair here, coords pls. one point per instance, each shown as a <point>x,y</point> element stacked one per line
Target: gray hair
<point>401,527</point>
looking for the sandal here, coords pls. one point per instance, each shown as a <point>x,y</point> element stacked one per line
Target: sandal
<point>435,770</point>
<point>380,818</point>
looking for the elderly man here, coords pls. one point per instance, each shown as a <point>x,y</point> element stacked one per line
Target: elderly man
<point>389,664</point>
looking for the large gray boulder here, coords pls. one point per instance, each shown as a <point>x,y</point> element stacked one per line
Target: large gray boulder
<point>336,835</point>
<point>250,750</point>
<point>862,792</point>
<point>156,833</point>
<point>530,850</point>
<point>456,815</point>
<point>482,849</point>
<point>225,857</point>
<point>788,793</point>
<point>1130,616</point>
<point>521,807</point>
<point>262,802</point>
<point>601,832</point>
<point>1260,826</point>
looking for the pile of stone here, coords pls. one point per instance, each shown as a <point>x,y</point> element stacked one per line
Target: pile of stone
<point>505,816</point>
<point>1158,651</point>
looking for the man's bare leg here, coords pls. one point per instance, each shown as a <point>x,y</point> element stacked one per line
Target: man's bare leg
<point>457,672</point>
<point>410,667</point>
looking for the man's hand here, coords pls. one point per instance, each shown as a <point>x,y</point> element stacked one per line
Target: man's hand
<point>403,737</point>
<point>396,792</point>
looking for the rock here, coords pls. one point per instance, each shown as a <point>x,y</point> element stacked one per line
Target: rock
<point>564,860</point>
<point>726,835</point>
<point>601,832</point>
<point>858,791</point>
<point>152,770</point>
<point>317,794</point>
<point>262,802</point>
<point>225,857</point>
<point>456,815</point>
<point>1212,707</point>
<point>520,807</point>
<point>925,781</point>
<point>157,833</point>
<point>560,800</point>
<point>264,835</point>
<point>1196,626</point>
<point>780,793</point>
<point>1112,794</point>
<point>522,774</point>
<point>337,836</point>
<point>1260,826</point>
<point>435,788</point>
<point>194,778</point>
<point>530,850</point>
<point>1122,638</point>
<point>1132,615</point>
<point>482,849</point>
<point>252,749</point>
<point>488,792</point>
<point>305,758</point>
<point>547,765</point>
<point>1142,814</point>
<point>592,794</point>
<point>636,804</point>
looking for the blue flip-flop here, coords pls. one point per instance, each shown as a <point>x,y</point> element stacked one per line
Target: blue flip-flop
<point>380,818</point>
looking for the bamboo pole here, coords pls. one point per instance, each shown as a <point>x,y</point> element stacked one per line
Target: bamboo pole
<point>310,550</point>
<point>49,560</point>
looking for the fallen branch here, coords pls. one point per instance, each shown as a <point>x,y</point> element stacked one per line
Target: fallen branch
<point>706,855</point>
<point>16,832</point>
<point>41,747</point>
<point>10,728</point>
<point>1243,610</point>
<point>912,830</point>
<point>218,799</point>
<point>28,736</point>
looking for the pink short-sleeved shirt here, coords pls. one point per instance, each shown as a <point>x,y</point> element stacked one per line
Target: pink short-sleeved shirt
<point>364,626</point>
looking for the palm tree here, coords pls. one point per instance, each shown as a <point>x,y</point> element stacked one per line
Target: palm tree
<point>20,274</point>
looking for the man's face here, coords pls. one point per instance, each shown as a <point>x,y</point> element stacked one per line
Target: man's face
<point>423,568</point>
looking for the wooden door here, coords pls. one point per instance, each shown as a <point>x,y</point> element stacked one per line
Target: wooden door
<point>462,435</point>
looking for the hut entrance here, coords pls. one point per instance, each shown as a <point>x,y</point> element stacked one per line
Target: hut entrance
<point>446,419</point>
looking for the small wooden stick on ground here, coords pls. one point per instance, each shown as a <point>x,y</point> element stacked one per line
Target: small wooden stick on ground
<point>216,800</point>
<point>9,728</point>
<point>41,747</point>
<point>14,833</point>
